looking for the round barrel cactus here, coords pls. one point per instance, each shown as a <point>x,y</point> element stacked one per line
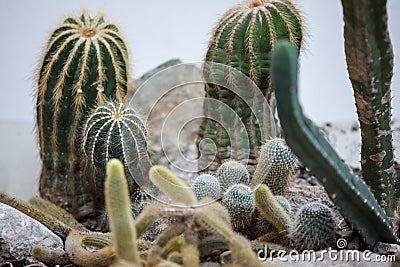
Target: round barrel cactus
<point>107,130</point>
<point>85,61</point>
<point>242,40</point>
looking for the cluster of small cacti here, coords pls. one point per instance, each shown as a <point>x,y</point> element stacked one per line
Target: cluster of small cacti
<point>176,246</point>
<point>260,208</point>
<point>242,42</point>
<point>83,76</point>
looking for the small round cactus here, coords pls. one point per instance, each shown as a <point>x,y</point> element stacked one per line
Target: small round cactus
<point>206,185</point>
<point>106,130</point>
<point>276,166</point>
<point>314,227</point>
<point>231,173</point>
<point>106,133</point>
<point>240,204</point>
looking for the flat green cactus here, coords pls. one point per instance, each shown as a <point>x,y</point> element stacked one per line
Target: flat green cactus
<point>230,173</point>
<point>206,185</point>
<point>276,166</point>
<point>243,39</point>
<point>314,227</point>
<point>351,195</point>
<point>84,62</point>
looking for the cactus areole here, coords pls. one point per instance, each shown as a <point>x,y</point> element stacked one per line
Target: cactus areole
<point>84,62</point>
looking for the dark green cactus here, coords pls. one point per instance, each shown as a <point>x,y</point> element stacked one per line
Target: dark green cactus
<point>276,166</point>
<point>84,62</point>
<point>369,59</point>
<point>230,173</point>
<point>351,194</point>
<point>240,203</point>
<point>243,39</point>
<point>106,132</point>
<point>206,185</point>
<point>314,227</point>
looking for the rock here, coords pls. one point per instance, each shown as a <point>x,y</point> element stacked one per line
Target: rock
<point>170,101</point>
<point>19,233</point>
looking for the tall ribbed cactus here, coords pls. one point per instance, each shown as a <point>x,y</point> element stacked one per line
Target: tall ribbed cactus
<point>84,62</point>
<point>369,59</point>
<point>243,40</point>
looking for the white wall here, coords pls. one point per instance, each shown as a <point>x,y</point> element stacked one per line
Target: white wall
<point>160,30</point>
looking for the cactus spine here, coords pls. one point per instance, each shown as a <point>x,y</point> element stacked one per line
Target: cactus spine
<point>243,39</point>
<point>84,62</point>
<point>314,227</point>
<point>351,194</point>
<point>369,59</point>
<point>276,166</point>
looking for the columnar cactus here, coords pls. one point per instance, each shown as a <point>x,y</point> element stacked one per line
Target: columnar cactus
<point>230,173</point>
<point>107,130</point>
<point>369,57</point>
<point>276,166</point>
<point>206,185</point>
<point>314,227</point>
<point>85,61</point>
<point>243,39</point>
<point>240,203</point>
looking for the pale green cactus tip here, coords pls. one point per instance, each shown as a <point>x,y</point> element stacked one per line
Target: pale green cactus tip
<point>232,172</point>
<point>314,227</point>
<point>276,166</point>
<point>206,185</point>
<point>240,204</point>
<point>264,227</point>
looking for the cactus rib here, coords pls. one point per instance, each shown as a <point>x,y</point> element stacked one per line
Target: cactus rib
<point>352,196</point>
